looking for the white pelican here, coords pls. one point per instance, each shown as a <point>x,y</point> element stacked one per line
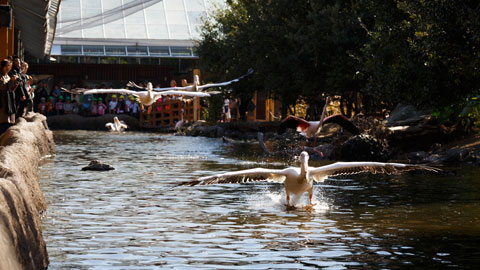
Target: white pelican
<point>147,97</point>
<point>116,126</point>
<point>196,87</point>
<point>180,122</point>
<point>300,180</point>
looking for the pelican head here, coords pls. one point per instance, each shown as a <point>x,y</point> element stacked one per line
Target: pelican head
<point>115,120</point>
<point>196,80</point>
<point>304,160</point>
<point>149,86</point>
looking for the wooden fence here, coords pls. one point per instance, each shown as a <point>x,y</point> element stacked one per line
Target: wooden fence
<point>166,113</point>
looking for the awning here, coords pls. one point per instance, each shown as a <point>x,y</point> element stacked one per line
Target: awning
<point>37,20</point>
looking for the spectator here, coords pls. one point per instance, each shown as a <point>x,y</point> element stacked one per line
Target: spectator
<point>93,110</point>
<point>51,106</point>
<point>121,105</point>
<point>59,106</point>
<point>68,106</point>
<point>112,105</point>
<point>42,106</point>
<point>128,103</point>
<point>28,81</point>
<point>7,98</point>
<point>134,107</point>
<point>56,93</point>
<point>20,91</point>
<point>101,107</point>
<point>75,107</point>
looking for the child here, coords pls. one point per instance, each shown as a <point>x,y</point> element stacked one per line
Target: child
<point>101,107</point>
<point>42,106</point>
<point>59,106</point>
<point>94,109</point>
<point>50,106</point>
<point>112,105</point>
<point>68,106</point>
<point>121,105</point>
<point>134,108</point>
<point>75,107</point>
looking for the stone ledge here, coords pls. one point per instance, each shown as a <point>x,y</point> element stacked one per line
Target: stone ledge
<point>21,199</point>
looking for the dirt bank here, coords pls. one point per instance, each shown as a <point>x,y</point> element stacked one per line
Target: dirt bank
<point>77,122</point>
<point>21,200</point>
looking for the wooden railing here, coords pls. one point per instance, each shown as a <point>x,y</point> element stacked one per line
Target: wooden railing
<point>165,114</point>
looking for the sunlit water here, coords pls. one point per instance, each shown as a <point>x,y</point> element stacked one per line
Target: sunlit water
<point>132,218</point>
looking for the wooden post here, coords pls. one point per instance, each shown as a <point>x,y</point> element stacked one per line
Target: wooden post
<point>11,38</point>
<point>4,40</point>
<point>196,100</point>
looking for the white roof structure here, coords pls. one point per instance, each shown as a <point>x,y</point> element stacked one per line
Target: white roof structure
<point>150,28</point>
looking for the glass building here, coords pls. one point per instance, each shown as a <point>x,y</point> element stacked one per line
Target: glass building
<point>130,31</point>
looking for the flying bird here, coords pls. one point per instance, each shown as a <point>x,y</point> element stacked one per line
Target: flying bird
<point>116,126</point>
<point>196,87</point>
<point>147,97</point>
<point>310,128</point>
<point>297,181</point>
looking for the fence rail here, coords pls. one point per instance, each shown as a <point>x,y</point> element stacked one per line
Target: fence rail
<point>167,113</point>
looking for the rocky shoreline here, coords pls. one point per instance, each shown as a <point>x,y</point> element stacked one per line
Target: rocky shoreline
<point>21,200</point>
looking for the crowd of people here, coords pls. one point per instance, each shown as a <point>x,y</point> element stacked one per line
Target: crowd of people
<point>16,91</point>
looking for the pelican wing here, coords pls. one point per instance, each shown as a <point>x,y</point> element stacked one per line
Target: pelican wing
<point>346,168</point>
<point>112,91</point>
<point>205,86</point>
<point>185,88</point>
<point>182,93</point>
<point>75,91</point>
<point>244,176</point>
<point>293,122</point>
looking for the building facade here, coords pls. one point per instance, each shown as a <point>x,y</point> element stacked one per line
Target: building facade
<point>118,40</point>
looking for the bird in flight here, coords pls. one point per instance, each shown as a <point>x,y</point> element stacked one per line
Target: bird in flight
<point>298,180</point>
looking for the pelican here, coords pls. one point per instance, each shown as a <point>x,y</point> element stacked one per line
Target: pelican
<point>116,126</point>
<point>148,97</point>
<point>180,122</point>
<point>196,87</point>
<point>300,180</point>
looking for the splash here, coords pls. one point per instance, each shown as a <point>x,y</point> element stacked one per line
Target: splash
<point>274,201</point>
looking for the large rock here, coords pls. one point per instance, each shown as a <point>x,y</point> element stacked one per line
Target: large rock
<point>21,200</point>
<point>406,115</point>
<point>364,148</point>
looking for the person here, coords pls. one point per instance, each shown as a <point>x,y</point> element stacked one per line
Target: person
<point>59,106</point>
<point>68,106</point>
<point>40,92</point>
<point>128,102</point>
<point>75,107</point>
<point>51,106</point>
<point>121,105</point>
<point>226,110</point>
<point>101,107</point>
<point>173,83</point>
<point>86,109</point>
<point>20,91</point>
<point>42,106</point>
<point>94,108</point>
<point>134,107</point>
<point>7,96</point>
<point>112,105</point>
<point>28,81</point>
<point>56,93</point>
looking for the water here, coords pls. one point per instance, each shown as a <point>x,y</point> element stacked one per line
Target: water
<point>131,218</point>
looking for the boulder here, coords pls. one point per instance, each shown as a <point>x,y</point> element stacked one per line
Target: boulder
<point>96,165</point>
<point>364,148</point>
<point>406,115</point>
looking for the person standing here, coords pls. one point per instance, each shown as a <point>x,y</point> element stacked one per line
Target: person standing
<point>112,105</point>
<point>20,95</point>
<point>7,96</point>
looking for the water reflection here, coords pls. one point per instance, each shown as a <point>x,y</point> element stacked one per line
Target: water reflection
<point>131,218</point>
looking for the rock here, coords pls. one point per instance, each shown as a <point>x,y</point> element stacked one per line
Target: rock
<point>219,132</point>
<point>418,157</point>
<point>406,115</point>
<point>364,148</point>
<point>21,200</point>
<point>96,165</point>
<point>457,155</point>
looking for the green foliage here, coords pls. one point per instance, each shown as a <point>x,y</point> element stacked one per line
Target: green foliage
<point>420,52</point>
<point>213,111</point>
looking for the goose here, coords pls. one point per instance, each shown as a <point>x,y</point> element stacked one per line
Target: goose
<point>148,97</point>
<point>196,87</point>
<point>116,126</point>
<point>297,181</point>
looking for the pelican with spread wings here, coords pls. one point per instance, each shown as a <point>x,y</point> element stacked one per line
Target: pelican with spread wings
<point>300,180</point>
<point>196,87</point>
<point>147,97</point>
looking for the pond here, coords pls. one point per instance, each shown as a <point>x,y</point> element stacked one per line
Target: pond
<point>135,217</point>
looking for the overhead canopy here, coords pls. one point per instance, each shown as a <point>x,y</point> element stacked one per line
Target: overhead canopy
<point>37,20</point>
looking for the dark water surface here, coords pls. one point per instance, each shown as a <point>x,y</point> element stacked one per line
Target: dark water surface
<point>130,218</point>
